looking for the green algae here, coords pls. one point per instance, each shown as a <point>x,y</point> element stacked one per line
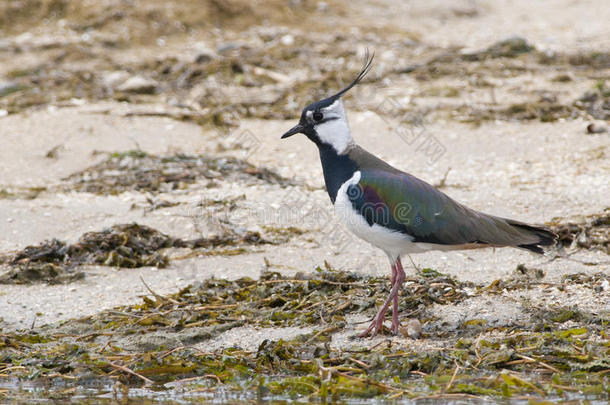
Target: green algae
<point>161,342</point>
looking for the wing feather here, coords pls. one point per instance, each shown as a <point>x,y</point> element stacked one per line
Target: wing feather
<point>406,204</point>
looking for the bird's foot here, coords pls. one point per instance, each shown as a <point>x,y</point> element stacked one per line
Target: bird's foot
<point>374,328</point>
<point>398,276</point>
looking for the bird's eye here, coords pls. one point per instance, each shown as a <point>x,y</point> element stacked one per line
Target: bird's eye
<point>317,116</point>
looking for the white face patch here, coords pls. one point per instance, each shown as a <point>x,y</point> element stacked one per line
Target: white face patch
<point>333,130</point>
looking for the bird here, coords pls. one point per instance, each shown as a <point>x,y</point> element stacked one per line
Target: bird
<point>394,210</point>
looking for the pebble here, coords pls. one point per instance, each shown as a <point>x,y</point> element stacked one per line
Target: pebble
<point>412,329</point>
<point>138,84</point>
<point>593,128</point>
<point>113,79</point>
<point>287,40</point>
<point>226,47</point>
<point>203,54</point>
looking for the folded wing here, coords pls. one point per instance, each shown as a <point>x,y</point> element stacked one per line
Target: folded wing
<point>403,203</point>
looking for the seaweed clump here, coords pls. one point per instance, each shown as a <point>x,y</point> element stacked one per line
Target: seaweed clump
<point>596,102</point>
<point>138,171</point>
<point>594,233</point>
<point>544,111</point>
<point>305,300</point>
<point>508,48</point>
<point>55,261</point>
<point>522,278</point>
<point>124,245</point>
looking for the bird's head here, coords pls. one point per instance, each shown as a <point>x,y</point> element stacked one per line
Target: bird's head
<point>325,122</point>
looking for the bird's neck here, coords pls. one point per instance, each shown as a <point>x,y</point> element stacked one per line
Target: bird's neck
<point>337,168</point>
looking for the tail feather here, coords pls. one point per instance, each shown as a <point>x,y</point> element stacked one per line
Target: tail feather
<point>545,236</point>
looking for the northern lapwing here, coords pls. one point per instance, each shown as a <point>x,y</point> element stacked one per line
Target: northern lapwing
<point>393,210</point>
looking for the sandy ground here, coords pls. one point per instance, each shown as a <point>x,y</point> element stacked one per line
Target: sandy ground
<point>528,170</point>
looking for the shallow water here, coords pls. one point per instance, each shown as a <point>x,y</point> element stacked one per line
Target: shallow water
<point>105,391</point>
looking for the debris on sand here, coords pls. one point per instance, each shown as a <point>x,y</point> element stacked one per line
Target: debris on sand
<point>163,342</point>
<point>594,58</point>
<point>508,48</point>
<point>592,233</point>
<point>138,171</point>
<point>544,111</point>
<point>125,246</point>
<point>42,263</point>
<point>596,102</point>
<point>521,278</point>
<point>599,282</point>
<point>55,261</point>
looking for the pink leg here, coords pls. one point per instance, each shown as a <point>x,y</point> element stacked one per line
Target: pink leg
<point>395,300</point>
<point>398,276</point>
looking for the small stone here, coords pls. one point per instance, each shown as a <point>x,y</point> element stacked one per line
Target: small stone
<point>203,54</point>
<point>24,38</point>
<point>114,79</point>
<point>226,47</point>
<point>139,85</point>
<point>412,329</point>
<point>287,40</point>
<point>563,78</point>
<point>595,128</point>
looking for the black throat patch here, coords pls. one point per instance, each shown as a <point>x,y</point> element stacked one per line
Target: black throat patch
<point>337,169</point>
